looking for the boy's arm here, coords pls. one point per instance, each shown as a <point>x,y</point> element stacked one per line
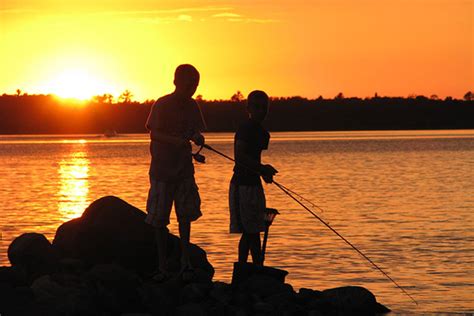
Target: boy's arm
<point>198,125</point>
<point>160,136</point>
<point>240,149</point>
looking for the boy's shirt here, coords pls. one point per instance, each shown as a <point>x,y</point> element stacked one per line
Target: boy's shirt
<point>257,139</point>
<point>175,116</point>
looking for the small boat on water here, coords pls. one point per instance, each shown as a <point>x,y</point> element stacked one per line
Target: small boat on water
<point>110,133</point>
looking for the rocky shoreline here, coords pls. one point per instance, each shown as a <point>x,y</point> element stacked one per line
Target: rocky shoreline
<point>100,263</point>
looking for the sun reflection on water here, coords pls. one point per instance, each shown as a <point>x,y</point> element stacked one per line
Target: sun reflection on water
<point>74,183</point>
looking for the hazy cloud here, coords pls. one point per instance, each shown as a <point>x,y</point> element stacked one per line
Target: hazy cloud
<point>226,15</point>
<point>235,17</point>
<point>167,11</point>
<point>166,20</point>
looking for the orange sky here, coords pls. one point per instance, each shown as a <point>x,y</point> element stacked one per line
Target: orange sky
<point>307,48</point>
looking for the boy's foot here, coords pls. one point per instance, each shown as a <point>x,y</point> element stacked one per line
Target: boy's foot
<point>188,274</point>
<point>160,276</point>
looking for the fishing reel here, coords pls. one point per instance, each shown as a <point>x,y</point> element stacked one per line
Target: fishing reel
<point>198,157</point>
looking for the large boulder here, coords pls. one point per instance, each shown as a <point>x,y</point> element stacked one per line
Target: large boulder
<point>32,253</point>
<point>112,231</point>
<point>353,300</point>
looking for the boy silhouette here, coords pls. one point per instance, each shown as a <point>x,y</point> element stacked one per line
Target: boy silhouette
<point>174,120</point>
<point>246,195</point>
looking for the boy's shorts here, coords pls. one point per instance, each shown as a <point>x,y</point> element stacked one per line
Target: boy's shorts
<point>247,208</point>
<point>161,196</point>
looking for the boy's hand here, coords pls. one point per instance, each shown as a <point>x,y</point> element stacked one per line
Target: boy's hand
<point>267,178</point>
<point>267,172</point>
<point>198,139</point>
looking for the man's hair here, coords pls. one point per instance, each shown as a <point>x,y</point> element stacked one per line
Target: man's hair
<point>257,98</point>
<point>186,73</point>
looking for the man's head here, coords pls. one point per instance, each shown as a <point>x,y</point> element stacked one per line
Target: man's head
<point>257,105</point>
<point>186,79</point>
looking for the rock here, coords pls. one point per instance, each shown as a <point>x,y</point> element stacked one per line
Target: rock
<point>262,307</point>
<point>112,231</point>
<point>13,276</point>
<point>158,299</point>
<point>264,286</point>
<point>381,309</point>
<point>353,300</point>
<point>16,300</point>
<point>191,309</point>
<point>221,292</point>
<point>243,270</point>
<point>118,290</point>
<point>194,292</point>
<point>282,301</point>
<point>72,266</point>
<point>242,300</point>
<point>32,253</point>
<point>304,295</point>
<point>64,295</point>
<point>47,290</point>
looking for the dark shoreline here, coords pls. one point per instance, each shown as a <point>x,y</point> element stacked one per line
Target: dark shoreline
<point>45,114</point>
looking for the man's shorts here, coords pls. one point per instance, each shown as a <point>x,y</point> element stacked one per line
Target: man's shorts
<point>161,196</point>
<point>247,208</point>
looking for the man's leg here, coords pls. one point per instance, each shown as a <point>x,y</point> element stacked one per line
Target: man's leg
<point>184,236</point>
<point>161,235</point>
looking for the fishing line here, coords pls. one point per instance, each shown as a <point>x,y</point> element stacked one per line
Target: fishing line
<point>292,196</point>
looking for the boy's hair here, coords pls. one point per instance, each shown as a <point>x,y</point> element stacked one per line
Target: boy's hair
<point>257,98</point>
<point>186,73</point>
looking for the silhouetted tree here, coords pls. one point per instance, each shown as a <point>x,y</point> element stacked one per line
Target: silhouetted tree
<point>126,96</point>
<point>18,92</point>
<point>98,98</point>
<point>108,98</point>
<point>434,97</point>
<point>237,97</point>
<point>469,96</point>
<point>199,97</point>
<point>339,96</point>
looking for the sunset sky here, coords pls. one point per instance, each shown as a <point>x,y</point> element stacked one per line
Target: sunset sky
<point>307,48</point>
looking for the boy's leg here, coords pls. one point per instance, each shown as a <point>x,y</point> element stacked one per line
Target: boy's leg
<point>243,248</point>
<point>188,209</point>
<point>255,248</point>
<point>159,205</point>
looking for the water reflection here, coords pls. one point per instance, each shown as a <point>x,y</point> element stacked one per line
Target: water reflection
<point>74,183</point>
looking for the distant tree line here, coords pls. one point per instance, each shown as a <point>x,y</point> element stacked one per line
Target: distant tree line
<point>21,113</point>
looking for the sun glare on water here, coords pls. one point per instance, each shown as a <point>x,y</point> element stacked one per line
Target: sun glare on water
<point>78,84</point>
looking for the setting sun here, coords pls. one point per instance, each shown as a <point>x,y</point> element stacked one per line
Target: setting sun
<point>78,84</point>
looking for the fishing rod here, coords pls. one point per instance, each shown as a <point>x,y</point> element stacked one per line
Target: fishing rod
<point>289,193</point>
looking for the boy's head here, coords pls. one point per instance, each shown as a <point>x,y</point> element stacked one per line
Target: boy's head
<point>257,105</point>
<point>186,79</point>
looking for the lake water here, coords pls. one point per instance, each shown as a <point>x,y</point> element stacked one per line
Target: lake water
<point>405,198</point>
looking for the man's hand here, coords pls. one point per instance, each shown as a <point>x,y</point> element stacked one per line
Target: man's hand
<point>198,139</point>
